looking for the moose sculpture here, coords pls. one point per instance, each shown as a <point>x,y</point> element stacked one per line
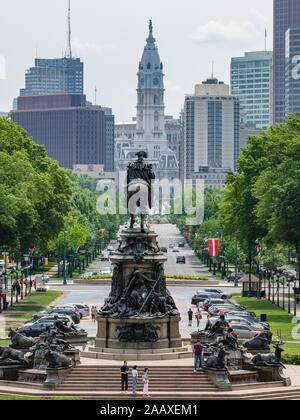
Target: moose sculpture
<point>273,359</point>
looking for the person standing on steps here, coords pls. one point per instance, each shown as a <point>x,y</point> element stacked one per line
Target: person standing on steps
<point>135,379</point>
<point>198,352</point>
<point>146,383</point>
<point>124,377</point>
<point>190,315</point>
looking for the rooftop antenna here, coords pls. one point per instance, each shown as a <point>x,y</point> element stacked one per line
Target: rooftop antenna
<point>69,47</point>
<point>96,90</point>
<point>266,36</point>
<point>212,69</point>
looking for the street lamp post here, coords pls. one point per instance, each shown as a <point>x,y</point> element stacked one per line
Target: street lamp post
<point>65,250</point>
<point>236,280</point>
<point>11,288</point>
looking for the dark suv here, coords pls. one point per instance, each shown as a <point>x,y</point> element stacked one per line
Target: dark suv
<point>201,297</point>
<point>180,260</point>
<point>75,316</point>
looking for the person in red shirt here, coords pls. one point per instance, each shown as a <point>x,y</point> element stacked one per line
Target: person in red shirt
<point>198,352</point>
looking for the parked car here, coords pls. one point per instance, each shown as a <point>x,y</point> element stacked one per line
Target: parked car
<point>106,270</point>
<point>164,249</point>
<point>232,277</point>
<point>201,297</point>
<point>84,310</point>
<point>218,291</point>
<point>171,246</point>
<point>181,244</point>
<point>180,260</point>
<point>74,315</point>
<point>215,310</point>
<point>105,257</point>
<point>215,301</point>
<point>243,331</point>
<point>240,311</point>
<point>38,316</point>
<point>41,277</point>
<point>240,319</point>
<point>88,274</point>
<point>51,317</point>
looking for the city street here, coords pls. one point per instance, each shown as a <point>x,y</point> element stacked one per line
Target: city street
<point>169,235</point>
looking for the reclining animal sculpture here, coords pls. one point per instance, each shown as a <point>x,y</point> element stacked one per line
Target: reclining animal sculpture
<point>273,359</point>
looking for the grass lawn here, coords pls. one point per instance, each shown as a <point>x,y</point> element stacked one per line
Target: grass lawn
<point>278,319</point>
<point>30,305</point>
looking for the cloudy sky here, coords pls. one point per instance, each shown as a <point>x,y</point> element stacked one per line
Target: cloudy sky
<point>110,36</point>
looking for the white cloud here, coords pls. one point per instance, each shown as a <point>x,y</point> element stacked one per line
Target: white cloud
<point>90,48</point>
<point>217,31</point>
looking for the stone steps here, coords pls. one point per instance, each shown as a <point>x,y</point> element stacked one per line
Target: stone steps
<point>162,379</point>
<point>137,357</point>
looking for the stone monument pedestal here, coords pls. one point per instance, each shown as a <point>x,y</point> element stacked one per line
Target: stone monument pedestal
<point>143,334</point>
<point>139,319</point>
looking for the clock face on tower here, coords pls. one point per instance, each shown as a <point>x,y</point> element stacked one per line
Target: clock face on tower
<point>155,81</point>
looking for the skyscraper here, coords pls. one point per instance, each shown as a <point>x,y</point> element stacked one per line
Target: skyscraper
<point>292,71</point>
<point>72,131</point>
<point>109,140</point>
<point>251,81</point>
<point>211,133</point>
<point>286,16</point>
<point>50,76</point>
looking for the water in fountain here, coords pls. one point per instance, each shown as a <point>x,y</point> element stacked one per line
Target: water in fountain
<point>40,363</point>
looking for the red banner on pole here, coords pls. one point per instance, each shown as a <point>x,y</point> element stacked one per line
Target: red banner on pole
<point>213,247</point>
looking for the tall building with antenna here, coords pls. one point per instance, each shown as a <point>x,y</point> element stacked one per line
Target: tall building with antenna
<point>57,75</point>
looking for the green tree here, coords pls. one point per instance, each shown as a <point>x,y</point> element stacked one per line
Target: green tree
<point>36,192</point>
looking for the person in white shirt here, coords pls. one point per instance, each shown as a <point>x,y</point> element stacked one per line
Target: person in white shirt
<point>135,379</point>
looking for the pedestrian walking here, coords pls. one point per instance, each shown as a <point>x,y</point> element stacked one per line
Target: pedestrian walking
<point>94,313</point>
<point>146,383</point>
<point>135,379</point>
<point>198,318</point>
<point>34,285</point>
<point>124,377</point>
<point>198,352</point>
<point>190,316</point>
<point>3,297</point>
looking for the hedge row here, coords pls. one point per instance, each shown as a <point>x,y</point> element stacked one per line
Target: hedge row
<point>168,276</point>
